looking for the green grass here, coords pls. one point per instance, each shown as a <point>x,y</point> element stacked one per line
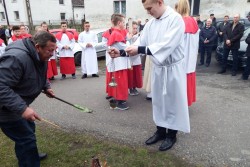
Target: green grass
<point>66,149</point>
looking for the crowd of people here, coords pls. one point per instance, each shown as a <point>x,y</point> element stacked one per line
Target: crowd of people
<point>230,33</point>
<point>169,41</point>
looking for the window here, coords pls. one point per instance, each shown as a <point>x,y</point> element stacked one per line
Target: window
<point>2,16</point>
<point>120,7</point>
<point>1,1</point>
<point>63,16</point>
<point>61,2</point>
<point>16,15</point>
<point>14,0</point>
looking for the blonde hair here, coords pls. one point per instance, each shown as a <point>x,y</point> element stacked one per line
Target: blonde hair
<point>183,7</point>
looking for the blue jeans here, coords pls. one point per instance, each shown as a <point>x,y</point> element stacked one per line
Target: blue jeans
<point>22,132</point>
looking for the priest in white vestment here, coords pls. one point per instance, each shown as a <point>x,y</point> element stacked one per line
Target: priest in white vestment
<point>88,40</point>
<point>162,40</point>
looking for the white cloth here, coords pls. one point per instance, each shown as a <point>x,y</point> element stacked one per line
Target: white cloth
<point>10,41</point>
<point>164,38</point>
<point>135,60</point>
<point>2,49</point>
<point>191,42</point>
<point>119,63</point>
<point>65,42</point>
<point>89,58</point>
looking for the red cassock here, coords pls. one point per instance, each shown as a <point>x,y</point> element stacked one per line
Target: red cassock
<point>120,92</point>
<point>191,27</point>
<point>135,77</point>
<point>52,68</point>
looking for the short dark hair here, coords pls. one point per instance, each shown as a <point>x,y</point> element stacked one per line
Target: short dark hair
<point>43,23</point>
<point>15,28</point>
<point>63,22</point>
<point>117,17</point>
<point>42,37</point>
<point>226,16</point>
<point>86,22</point>
<point>212,14</point>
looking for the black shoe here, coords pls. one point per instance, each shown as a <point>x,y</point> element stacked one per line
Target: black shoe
<point>148,98</point>
<point>207,65</point>
<point>221,71</point>
<point>52,78</point>
<point>74,76</point>
<point>122,105</point>
<point>84,76</point>
<point>108,97</point>
<point>63,77</point>
<point>42,156</point>
<point>200,64</point>
<point>233,73</point>
<point>154,139</point>
<point>167,144</point>
<point>95,75</point>
<point>243,78</point>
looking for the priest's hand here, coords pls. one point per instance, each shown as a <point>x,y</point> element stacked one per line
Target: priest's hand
<point>113,52</point>
<point>49,93</point>
<point>132,50</point>
<point>89,45</point>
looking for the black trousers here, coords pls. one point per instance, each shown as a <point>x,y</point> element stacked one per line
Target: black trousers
<point>203,50</point>
<point>171,133</point>
<point>246,72</point>
<point>235,59</point>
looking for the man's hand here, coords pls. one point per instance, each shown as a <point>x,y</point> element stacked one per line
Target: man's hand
<point>66,47</point>
<point>89,45</point>
<point>113,52</point>
<point>49,93</point>
<point>30,115</point>
<point>132,50</point>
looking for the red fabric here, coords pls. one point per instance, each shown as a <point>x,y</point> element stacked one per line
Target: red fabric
<point>67,65</point>
<point>1,42</point>
<point>14,38</point>
<point>59,35</point>
<point>120,92</point>
<point>26,36</point>
<point>191,88</point>
<point>116,36</point>
<point>52,68</point>
<point>135,77</point>
<point>107,33</point>
<point>191,25</point>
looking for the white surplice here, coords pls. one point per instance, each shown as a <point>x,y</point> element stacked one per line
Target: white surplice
<point>89,58</point>
<point>191,51</point>
<point>2,49</point>
<point>164,37</point>
<point>65,42</point>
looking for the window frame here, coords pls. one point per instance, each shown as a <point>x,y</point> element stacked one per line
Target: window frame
<point>16,13</point>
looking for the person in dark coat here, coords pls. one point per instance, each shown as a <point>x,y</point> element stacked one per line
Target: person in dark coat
<point>246,72</point>
<point>222,27</point>
<point>2,34</point>
<point>232,35</point>
<point>22,78</point>
<point>213,20</point>
<point>199,22</point>
<point>207,38</point>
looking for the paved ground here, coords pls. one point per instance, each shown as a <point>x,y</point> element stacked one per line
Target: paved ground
<point>220,126</point>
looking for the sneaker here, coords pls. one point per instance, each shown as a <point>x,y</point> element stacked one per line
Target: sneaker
<point>73,76</point>
<point>131,92</point>
<point>52,78</point>
<point>95,75</point>
<point>108,97</point>
<point>122,106</point>
<point>84,76</point>
<point>63,77</point>
<point>136,92</point>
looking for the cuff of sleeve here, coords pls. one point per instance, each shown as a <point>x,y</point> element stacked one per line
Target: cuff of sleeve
<point>123,53</point>
<point>142,49</point>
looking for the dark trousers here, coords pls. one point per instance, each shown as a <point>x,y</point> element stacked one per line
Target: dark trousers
<point>171,133</point>
<point>235,59</point>
<point>203,50</point>
<point>22,132</point>
<point>246,72</point>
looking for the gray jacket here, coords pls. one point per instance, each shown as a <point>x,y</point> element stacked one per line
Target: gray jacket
<point>22,78</point>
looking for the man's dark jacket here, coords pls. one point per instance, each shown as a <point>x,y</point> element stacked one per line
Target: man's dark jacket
<point>22,78</point>
<point>233,35</point>
<point>248,46</point>
<point>208,33</point>
<point>222,27</point>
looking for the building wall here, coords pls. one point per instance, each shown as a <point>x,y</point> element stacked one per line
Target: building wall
<point>41,10</point>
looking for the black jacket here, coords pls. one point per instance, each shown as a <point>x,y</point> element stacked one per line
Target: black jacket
<point>222,27</point>
<point>248,46</point>
<point>22,78</point>
<point>209,34</point>
<point>233,35</point>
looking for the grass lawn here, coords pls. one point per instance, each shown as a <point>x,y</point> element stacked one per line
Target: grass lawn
<point>66,149</point>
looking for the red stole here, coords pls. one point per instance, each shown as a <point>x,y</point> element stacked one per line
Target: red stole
<point>1,42</point>
<point>116,36</point>
<point>26,35</point>
<point>59,35</point>
<point>191,25</point>
<point>14,38</point>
